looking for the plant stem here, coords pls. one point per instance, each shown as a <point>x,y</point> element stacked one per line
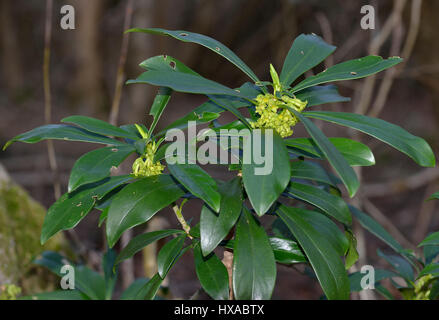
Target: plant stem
<point>180,218</point>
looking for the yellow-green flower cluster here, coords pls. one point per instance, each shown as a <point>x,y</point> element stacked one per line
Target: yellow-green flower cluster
<point>422,287</point>
<point>268,108</point>
<point>9,292</point>
<point>145,166</point>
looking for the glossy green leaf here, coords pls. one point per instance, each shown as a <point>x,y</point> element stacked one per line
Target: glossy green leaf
<point>308,170</point>
<point>320,95</point>
<point>132,292</point>
<point>71,208</point>
<point>198,182</point>
<point>99,127</point>
<point>328,229</point>
<point>205,41</point>
<point>329,203</point>
<point>159,104</point>
<point>376,229</point>
<point>285,251</point>
<point>149,290</point>
<point>432,269</point>
<point>306,52</point>
<point>400,264</point>
<point>355,153</point>
<point>185,82</point>
<point>341,166</point>
<point>349,70</point>
<point>168,254</point>
<point>215,227</point>
<point>96,165</point>
<point>398,138</point>
<point>61,132</point>
<point>380,274</point>
<point>265,182</point>
<point>325,261</point>
<point>141,241</point>
<point>212,274</point>
<point>432,239</point>
<point>254,267</point>
<point>138,202</point>
<point>110,272</point>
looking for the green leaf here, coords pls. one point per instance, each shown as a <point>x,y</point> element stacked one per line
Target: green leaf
<point>349,70</point>
<point>320,95</point>
<point>96,165</point>
<point>341,166</point>
<point>325,261</point>
<point>205,41</point>
<point>415,147</point>
<point>432,269</point>
<point>185,82</point>
<point>430,253</point>
<point>400,264</point>
<point>149,290</point>
<point>329,203</point>
<point>212,274</point>
<point>166,63</point>
<point>141,241</point>
<point>432,239</point>
<point>158,106</point>
<point>265,182</point>
<point>110,272</point>
<point>376,229</point>
<point>138,202</point>
<point>328,229</point>
<point>131,293</point>
<point>310,171</point>
<point>434,196</point>
<point>99,127</point>
<point>168,254</point>
<point>286,251</point>
<point>198,182</point>
<point>355,153</point>
<point>61,132</point>
<point>71,208</point>
<point>215,227</point>
<point>87,281</point>
<point>352,254</point>
<point>306,52</point>
<point>254,267</point>
<point>380,274</point>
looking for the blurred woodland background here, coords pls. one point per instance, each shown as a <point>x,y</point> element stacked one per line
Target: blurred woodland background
<point>88,68</point>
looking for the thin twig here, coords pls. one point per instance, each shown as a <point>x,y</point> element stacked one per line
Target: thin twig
<point>392,73</point>
<point>412,182</point>
<point>114,114</point>
<point>48,98</point>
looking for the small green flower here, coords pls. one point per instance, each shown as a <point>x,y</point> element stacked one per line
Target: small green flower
<point>422,287</point>
<point>9,292</point>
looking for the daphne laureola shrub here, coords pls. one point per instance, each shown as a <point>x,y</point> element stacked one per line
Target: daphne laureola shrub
<point>312,223</point>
